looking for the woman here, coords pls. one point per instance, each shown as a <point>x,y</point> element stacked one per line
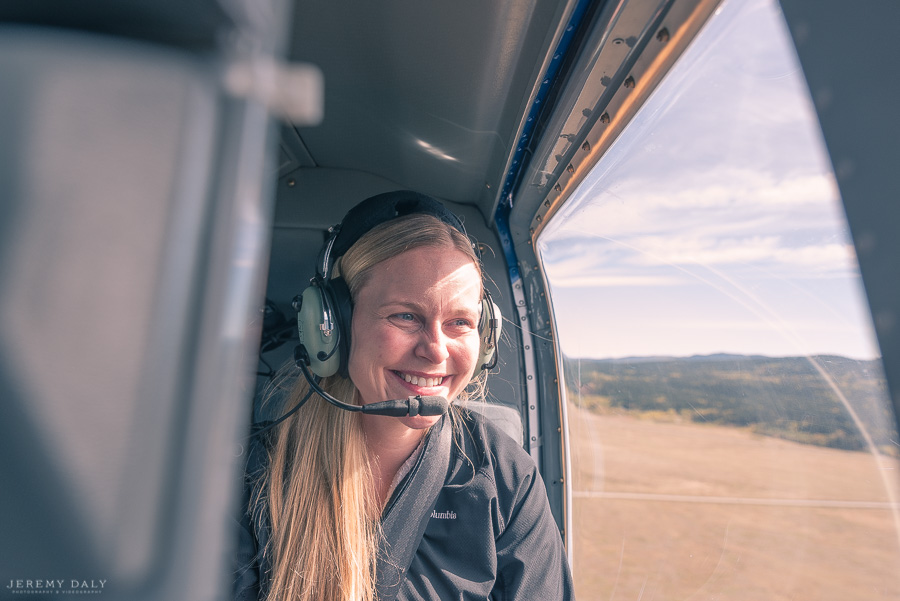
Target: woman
<point>344,505</point>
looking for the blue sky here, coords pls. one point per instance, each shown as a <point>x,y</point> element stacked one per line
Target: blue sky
<point>714,223</point>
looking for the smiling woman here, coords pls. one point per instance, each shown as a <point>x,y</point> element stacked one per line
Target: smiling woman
<point>417,506</point>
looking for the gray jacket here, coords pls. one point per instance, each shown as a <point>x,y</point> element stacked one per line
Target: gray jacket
<point>488,531</point>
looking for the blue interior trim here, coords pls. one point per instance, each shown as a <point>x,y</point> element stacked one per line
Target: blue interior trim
<point>523,148</point>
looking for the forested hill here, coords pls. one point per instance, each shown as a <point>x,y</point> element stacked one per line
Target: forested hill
<point>785,397</point>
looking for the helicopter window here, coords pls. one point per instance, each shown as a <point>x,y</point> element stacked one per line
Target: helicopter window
<point>729,428</point>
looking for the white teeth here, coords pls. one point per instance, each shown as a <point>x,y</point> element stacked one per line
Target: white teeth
<point>426,382</point>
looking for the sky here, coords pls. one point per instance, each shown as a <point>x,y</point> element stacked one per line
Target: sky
<point>714,224</point>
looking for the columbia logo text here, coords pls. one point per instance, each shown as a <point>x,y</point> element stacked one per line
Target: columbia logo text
<point>443,515</point>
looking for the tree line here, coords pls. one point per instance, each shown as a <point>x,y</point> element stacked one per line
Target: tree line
<point>796,398</point>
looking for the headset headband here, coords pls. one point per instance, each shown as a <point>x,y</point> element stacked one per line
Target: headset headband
<point>377,210</point>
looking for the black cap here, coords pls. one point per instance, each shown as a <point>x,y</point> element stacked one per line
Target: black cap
<point>384,207</point>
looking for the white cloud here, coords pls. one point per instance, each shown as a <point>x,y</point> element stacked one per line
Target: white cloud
<point>689,250</point>
<point>595,280</point>
<point>742,192</point>
<point>826,257</point>
<point>662,260</point>
<point>734,217</point>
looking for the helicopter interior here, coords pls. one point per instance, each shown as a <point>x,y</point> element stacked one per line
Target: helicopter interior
<point>169,171</point>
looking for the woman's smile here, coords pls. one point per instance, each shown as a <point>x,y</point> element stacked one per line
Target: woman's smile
<point>421,381</point>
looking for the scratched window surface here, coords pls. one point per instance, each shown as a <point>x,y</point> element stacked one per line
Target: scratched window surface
<point>729,428</point>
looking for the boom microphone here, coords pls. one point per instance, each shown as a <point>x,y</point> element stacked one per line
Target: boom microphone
<point>413,406</point>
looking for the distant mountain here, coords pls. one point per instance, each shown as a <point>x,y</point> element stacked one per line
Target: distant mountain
<point>806,399</point>
<point>665,358</point>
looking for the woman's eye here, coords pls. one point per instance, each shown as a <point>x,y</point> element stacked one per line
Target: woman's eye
<point>405,320</point>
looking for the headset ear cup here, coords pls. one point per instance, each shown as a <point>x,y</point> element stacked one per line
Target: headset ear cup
<point>317,333</point>
<point>488,335</point>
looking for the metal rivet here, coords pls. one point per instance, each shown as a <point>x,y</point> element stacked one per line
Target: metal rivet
<point>663,35</point>
<point>531,377</point>
<point>558,188</point>
<point>586,147</point>
<point>547,203</point>
<point>291,183</point>
<point>618,41</point>
<point>540,218</point>
<point>604,118</point>
<point>629,82</point>
<point>570,168</point>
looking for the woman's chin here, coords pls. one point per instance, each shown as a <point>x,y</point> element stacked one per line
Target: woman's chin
<point>419,422</point>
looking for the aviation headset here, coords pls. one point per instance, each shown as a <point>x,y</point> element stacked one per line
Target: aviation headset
<point>325,308</point>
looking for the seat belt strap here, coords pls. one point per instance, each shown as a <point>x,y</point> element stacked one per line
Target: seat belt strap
<point>407,515</point>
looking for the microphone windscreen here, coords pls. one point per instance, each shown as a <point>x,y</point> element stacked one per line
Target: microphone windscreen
<point>432,405</point>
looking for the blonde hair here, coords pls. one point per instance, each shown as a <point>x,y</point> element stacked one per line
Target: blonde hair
<point>318,488</point>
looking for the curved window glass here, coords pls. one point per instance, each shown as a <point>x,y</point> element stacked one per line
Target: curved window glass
<point>730,432</point>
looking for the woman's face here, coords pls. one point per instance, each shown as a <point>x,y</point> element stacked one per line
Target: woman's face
<point>415,328</point>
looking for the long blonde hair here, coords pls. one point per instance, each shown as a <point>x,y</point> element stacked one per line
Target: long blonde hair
<point>318,489</point>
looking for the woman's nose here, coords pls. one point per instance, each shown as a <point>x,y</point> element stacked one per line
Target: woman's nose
<point>433,345</point>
